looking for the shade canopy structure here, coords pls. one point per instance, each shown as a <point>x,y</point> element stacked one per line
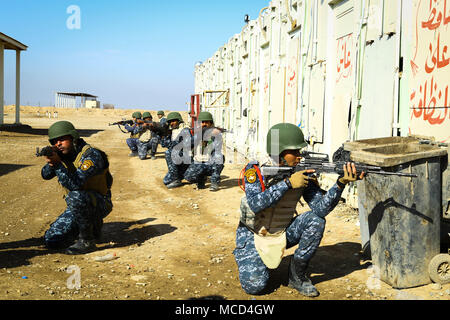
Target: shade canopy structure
<point>8,43</point>
<point>69,99</point>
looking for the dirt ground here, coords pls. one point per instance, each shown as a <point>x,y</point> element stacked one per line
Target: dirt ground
<point>167,244</point>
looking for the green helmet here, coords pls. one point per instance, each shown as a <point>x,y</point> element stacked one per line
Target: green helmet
<point>61,129</point>
<point>137,115</point>
<point>174,116</point>
<point>161,113</point>
<point>290,137</point>
<point>205,116</point>
<point>147,115</point>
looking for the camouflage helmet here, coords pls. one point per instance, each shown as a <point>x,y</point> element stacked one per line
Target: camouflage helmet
<point>137,115</point>
<point>290,137</point>
<point>174,116</point>
<point>160,113</point>
<point>146,115</point>
<point>205,116</point>
<point>61,129</point>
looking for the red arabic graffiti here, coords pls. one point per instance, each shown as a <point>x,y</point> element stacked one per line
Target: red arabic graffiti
<point>344,62</point>
<point>437,59</point>
<point>432,24</point>
<point>429,99</point>
<point>292,76</point>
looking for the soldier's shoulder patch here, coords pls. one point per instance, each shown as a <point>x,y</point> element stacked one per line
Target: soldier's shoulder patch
<point>86,165</point>
<point>250,174</point>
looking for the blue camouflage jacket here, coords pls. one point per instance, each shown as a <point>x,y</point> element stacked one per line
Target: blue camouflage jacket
<point>134,129</point>
<point>92,162</point>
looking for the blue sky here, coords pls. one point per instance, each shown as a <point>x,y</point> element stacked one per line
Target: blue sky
<point>133,54</point>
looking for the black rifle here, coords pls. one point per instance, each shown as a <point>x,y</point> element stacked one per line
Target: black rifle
<point>320,162</point>
<point>157,127</point>
<point>45,152</point>
<point>122,123</point>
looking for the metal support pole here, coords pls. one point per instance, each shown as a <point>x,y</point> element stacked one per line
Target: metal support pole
<point>17,86</point>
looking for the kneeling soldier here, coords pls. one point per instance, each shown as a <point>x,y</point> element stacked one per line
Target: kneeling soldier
<point>208,156</point>
<point>269,222</point>
<point>178,155</point>
<point>134,129</point>
<point>83,171</point>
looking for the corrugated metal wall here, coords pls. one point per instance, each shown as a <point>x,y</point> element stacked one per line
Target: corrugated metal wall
<point>341,70</point>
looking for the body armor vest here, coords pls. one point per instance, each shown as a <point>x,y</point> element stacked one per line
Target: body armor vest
<point>145,136</point>
<point>272,220</point>
<point>176,132</point>
<point>100,183</point>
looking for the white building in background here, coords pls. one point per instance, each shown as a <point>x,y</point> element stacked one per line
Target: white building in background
<point>76,100</point>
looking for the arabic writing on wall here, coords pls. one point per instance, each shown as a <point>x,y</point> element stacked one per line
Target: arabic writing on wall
<point>344,55</point>
<point>430,67</point>
<point>292,76</point>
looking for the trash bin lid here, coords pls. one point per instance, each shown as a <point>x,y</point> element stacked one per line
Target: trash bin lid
<point>396,153</point>
<point>376,142</point>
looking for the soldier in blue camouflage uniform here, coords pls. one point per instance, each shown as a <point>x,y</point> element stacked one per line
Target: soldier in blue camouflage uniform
<point>269,223</point>
<point>134,130</point>
<point>178,155</point>
<point>148,139</point>
<point>83,171</point>
<point>208,157</point>
<point>163,136</point>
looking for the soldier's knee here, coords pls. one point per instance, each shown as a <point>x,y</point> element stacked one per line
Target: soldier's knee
<point>253,285</point>
<point>54,239</point>
<point>191,178</point>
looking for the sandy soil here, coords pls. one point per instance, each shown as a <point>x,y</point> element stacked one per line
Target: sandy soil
<point>167,244</point>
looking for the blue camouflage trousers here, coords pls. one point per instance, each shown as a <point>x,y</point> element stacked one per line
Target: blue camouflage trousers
<point>132,143</point>
<point>306,230</point>
<point>198,172</point>
<point>176,171</point>
<point>143,147</point>
<point>84,208</point>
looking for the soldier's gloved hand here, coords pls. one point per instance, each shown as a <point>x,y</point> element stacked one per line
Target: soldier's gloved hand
<point>349,175</point>
<point>54,159</point>
<point>299,180</point>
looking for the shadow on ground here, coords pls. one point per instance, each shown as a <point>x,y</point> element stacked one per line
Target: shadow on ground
<point>42,132</point>
<point>7,168</point>
<point>119,234</point>
<point>330,262</point>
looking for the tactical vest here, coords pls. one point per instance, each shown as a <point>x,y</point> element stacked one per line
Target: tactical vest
<point>272,220</point>
<point>100,183</point>
<point>176,132</point>
<point>145,136</point>
<point>135,135</point>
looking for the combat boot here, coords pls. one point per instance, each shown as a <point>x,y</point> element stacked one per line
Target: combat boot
<point>201,183</point>
<point>298,279</point>
<point>214,186</point>
<point>133,154</point>
<point>85,242</point>
<point>174,184</point>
